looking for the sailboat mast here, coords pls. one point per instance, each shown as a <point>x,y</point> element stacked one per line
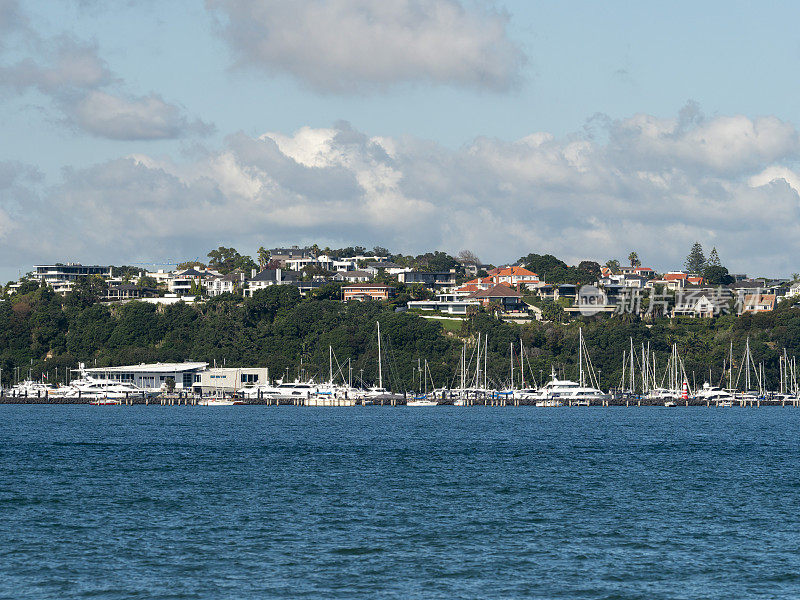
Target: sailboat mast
<point>380,370</point>
<point>747,360</point>
<point>730,367</point>
<point>512,364</point>
<point>633,375</point>
<point>580,356</point>
<point>478,364</point>
<point>521,365</point>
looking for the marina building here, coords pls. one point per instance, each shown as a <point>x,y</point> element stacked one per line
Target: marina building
<point>152,377</point>
<point>223,380</point>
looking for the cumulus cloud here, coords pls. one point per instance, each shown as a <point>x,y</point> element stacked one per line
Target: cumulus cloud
<point>80,83</point>
<point>574,197</point>
<point>343,46</point>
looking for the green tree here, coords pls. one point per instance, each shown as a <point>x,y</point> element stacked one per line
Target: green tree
<point>613,265</point>
<point>190,264</point>
<point>716,275</point>
<point>634,259</point>
<point>553,312</point>
<point>590,267</point>
<point>263,257</point>
<point>713,258</point>
<point>696,260</point>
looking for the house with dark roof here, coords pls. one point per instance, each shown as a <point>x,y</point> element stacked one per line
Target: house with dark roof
<point>270,277</point>
<point>128,291</point>
<point>181,282</point>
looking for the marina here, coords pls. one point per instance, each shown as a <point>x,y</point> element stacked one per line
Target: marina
<point>742,383</point>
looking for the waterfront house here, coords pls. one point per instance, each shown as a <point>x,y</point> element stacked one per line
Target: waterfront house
<point>224,284</point>
<point>452,304</point>
<point>666,284</point>
<point>794,290</point>
<point>435,280</point>
<point>281,255</point>
<point>518,276</point>
<point>181,282</point>
<point>701,303</point>
<point>128,291</point>
<point>62,277</point>
<point>756,303</point>
<point>269,277</point>
<point>356,276</point>
<point>60,272</point>
<point>367,292</point>
<point>645,272</point>
<point>389,268</point>
<point>508,298</point>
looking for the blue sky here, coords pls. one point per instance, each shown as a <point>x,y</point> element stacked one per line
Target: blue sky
<point>446,105</point>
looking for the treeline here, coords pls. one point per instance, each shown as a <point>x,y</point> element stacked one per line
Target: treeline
<point>43,332</point>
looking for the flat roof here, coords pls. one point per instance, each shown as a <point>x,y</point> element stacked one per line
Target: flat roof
<point>152,368</point>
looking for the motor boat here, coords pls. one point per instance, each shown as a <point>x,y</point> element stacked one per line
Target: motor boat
<point>36,389</point>
<point>565,390</point>
<point>713,394</point>
<point>90,387</point>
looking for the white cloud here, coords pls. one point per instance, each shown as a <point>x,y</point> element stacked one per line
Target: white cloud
<point>65,65</point>
<point>132,118</point>
<point>81,85</point>
<point>572,197</point>
<point>344,46</point>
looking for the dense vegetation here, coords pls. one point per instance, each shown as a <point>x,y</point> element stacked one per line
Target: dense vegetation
<point>42,331</point>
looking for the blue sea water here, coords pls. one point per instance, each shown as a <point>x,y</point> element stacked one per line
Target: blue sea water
<point>265,502</point>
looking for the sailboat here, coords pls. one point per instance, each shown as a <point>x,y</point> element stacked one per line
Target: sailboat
<point>422,399</point>
<point>375,392</point>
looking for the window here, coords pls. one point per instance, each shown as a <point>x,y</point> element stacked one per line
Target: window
<point>249,378</point>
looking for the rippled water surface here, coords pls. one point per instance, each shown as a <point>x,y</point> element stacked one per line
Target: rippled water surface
<point>265,502</point>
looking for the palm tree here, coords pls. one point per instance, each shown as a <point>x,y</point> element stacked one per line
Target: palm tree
<point>634,258</point>
<point>263,257</point>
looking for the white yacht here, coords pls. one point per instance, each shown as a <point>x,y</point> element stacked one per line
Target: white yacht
<point>34,389</point>
<point>713,394</point>
<point>89,387</point>
<point>296,389</point>
<point>557,391</point>
<point>260,391</point>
